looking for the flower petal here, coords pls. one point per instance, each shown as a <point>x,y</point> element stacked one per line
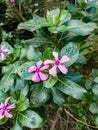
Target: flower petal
<point>63,69</point>
<point>1,112</point>
<point>64,59</point>
<point>3,56</point>
<point>6,50</point>
<point>6,101</point>
<point>32,69</point>
<point>36,77</point>
<point>11,106</point>
<point>7,115</point>
<point>52,71</point>
<point>39,64</point>
<point>44,67</point>
<point>43,76</point>
<point>47,62</point>
<point>55,54</point>
<point>1,105</point>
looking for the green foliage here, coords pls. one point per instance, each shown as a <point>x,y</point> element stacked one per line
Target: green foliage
<point>69,33</point>
<point>30,119</point>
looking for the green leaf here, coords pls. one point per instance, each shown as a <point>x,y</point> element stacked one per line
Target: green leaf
<point>95,89</point>
<point>64,17</point>
<point>58,96</point>
<point>93,108</point>
<point>39,95</point>
<point>3,121</point>
<point>16,126</point>
<point>3,96</point>
<point>23,53</point>
<point>22,104</point>
<point>30,119</point>
<point>37,42</point>
<point>80,28</point>
<point>7,81</point>
<point>21,87</point>
<point>96,80</point>
<point>23,70</point>
<point>70,88</point>
<point>61,28</point>
<point>47,54</point>
<point>96,120</point>
<point>53,17</point>
<point>34,24</point>
<point>33,54</point>
<point>50,82</point>
<point>71,51</point>
<point>75,77</point>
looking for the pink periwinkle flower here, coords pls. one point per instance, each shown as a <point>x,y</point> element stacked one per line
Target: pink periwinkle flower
<point>2,51</point>
<point>12,1</point>
<point>38,75</point>
<point>36,4</point>
<point>57,64</point>
<point>4,109</point>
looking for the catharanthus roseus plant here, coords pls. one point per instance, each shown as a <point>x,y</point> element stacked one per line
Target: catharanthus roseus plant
<point>50,51</point>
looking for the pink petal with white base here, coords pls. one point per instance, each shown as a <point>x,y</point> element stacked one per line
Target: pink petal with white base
<point>6,101</point>
<point>36,77</point>
<point>39,64</point>
<point>1,105</point>
<point>1,112</point>
<point>64,59</point>
<point>43,76</point>
<point>11,106</point>
<point>47,62</point>
<point>7,115</point>
<point>6,50</point>
<point>32,69</point>
<point>3,57</point>
<point>52,71</point>
<point>44,67</point>
<point>63,69</point>
<point>55,54</point>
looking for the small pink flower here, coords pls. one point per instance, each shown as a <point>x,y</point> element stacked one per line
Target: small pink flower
<point>4,109</point>
<point>36,4</point>
<point>57,64</point>
<point>38,76</point>
<point>2,51</point>
<point>12,1</point>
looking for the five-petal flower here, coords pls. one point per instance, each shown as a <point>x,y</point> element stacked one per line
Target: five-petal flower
<point>38,75</point>
<point>57,64</point>
<point>4,109</point>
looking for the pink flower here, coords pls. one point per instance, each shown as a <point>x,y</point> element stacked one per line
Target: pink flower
<point>36,4</point>
<point>4,109</point>
<point>12,1</point>
<point>38,75</point>
<point>2,51</point>
<point>57,64</point>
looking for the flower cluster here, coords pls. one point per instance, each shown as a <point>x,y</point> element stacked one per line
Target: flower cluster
<point>4,50</point>
<point>4,109</point>
<point>57,63</point>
